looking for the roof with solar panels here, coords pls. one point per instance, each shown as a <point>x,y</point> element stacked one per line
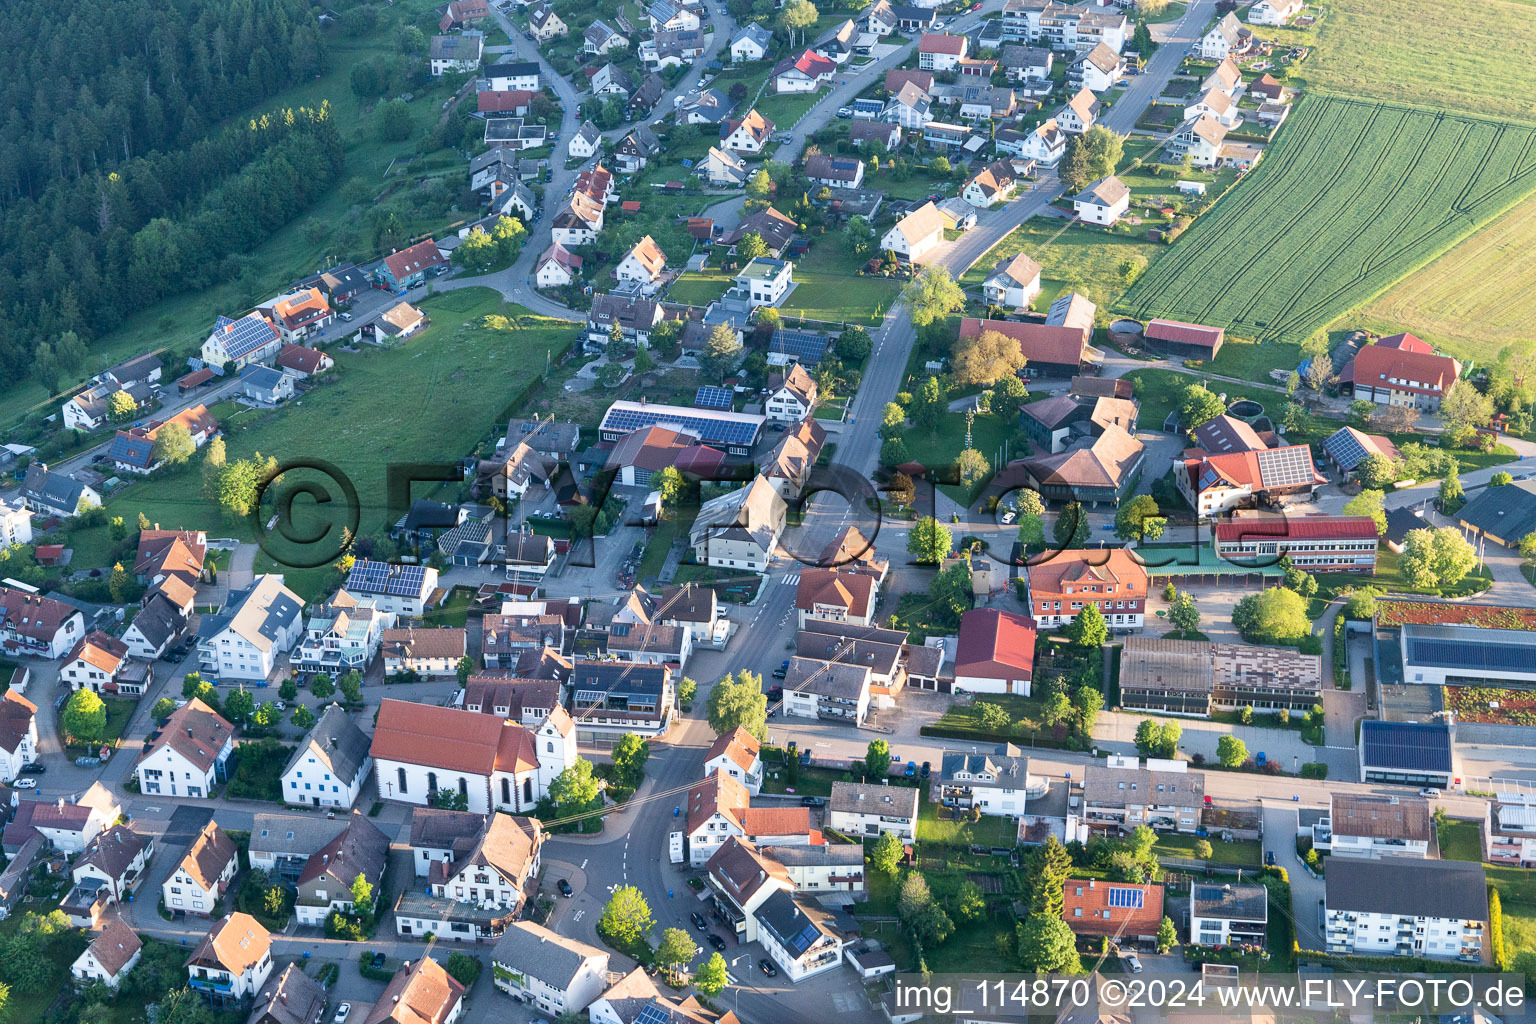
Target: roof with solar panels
<point>713,426</point>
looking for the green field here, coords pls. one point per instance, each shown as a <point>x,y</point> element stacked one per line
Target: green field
<point>430,399</point>
<point>1352,197</point>
<point>1096,263</point>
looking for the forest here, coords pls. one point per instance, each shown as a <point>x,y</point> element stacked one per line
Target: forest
<point>120,180</point>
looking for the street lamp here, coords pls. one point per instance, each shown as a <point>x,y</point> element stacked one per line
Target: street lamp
<point>748,958</point>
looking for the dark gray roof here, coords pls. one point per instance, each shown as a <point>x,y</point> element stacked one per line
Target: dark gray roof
<point>1008,771</point>
<point>785,921</point>
<point>823,854</point>
<point>868,798</point>
<point>51,490</point>
<point>1508,512</point>
<point>293,835</point>
<point>1410,888</point>
<point>826,678</point>
<point>1117,787</point>
<point>1406,746</point>
<point>158,620</point>
<point>1231,901</point>
<point>337,742</point>
<point>540,953</point>
<point>446,830</point>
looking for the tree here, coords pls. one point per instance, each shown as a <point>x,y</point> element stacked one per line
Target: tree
<point>970,905</point>
<point>393,121</point>
<point>411,39</point>
<point>629,758</point>
<point>711,979</point>
<point>901,490</point>
<point>1058,708</point>
<point>163,708</point>
<point>362,894</point>
<point>267,715</point>
<point>1047,946</point>
<point>626,919</point>
<point>321,685</point>
<point>1088,702</point>
<point>1199,406</point>
<point>351,686</point>
<point>1370,503</point>
<point>1231,751</point>
<point>859,237</point>
<point>932,294</point>
<point>972,467</point>
<point>1451,496</point>
<point>985,358</point>
<point>84,717</point>
<point>760,185</point>
<point>1088,628</point>
<point>893,420</point>
<point>213,466</point>
<point>1008,396</point>
<point>675,949</point>
<point>1436,558</point>
<point>1299,580</point>
<point>1203,849</point>
<point>877,759</point>
<point>893,452</point>
<point>239,705</point>
<point>737,700</point>
<point>1376,471</point>
<point>173,444</point>
<point>1139,519</point>
<point>1319,372</point>
<point>121,406</point>
<point>751,246</point>
<point>920,913</point>
<point>1158,739</point>
<point>721,347</point>
<point>929,541</point>
<point>1465,407</point>
<point>1274,615</point>
<point>854,345</point>
<point>686,691</point>
<point>886,854</point>
<point>927,406</point>
<point>1184,616</point>
<point>465,666</point>
<point>1071,526</point>
<point>796,17</point>
<point>302,717</point>
<point>574,789</point>
<point>120,584</point>
<point>1167,935</point>
<point>670,483</point>
<point>1031,518</point>
<point>1500,479</point>
<point>1098,154</point>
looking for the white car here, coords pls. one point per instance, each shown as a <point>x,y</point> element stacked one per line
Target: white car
<point>25,784</point>
<point>341,1013</point>
<point>1132,964</point>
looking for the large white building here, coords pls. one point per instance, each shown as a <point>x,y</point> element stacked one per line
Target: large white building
<point>737,753</point>
<point>555,974</point>
<point>1375,826</point>
<point>233,961</point>
<point>1509,830</point>
<point>865,809</point>
<point>916,235</point>
<point>740,529</point>
<point>18,734</point>
<point>419,750</point>
<point>1228,913</point>
<point>1403,907</point>
<point>190,755</point>
<point>330,765</point>
<point>258,624</point>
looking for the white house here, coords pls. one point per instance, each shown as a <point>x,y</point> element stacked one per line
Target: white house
<point>805,73</point>
<point>243,641</point>
<point>991,184</point>
<point>457,54</point>
<point>421,992</point>
<point>738,754</point>
<point>18,734</point>
<point>1200,139</point>
<point>1014,283</point>
<point>916,235</point>
<point>325,885</point>
<point>740,529</point>
<point>793,400</point>
<point>751,43</point>
<point>748,135</point>
<point>940,51</point>
<point>995,653</point>
<point>328,768</point>
<point>250,339</point>
<point>1099,69</point>
<point>996,784</point>
<point>15,523</point>
<point>65,827</point>
<point>722,169</point>
<point>115,859</point>
<point>153,628</point>
<point>190,755</point>
<point>480,872</point>
<point>1228,913</point>
<point>1214,103</point>
<point>798,936</point>
<point>827,690</point>
<point>401,589</point>
<point>430,653</point>
<point>866,809</point>
<point>111,955</point>
<point>1274,12</point>
<point>1080,113</point>
<point>1375,826</point>
<point>204,874</point>
<point>642,265</point>
<point>557,267</point>
<point>513,76</point>
<point>586,142</point>
<point>1223,39</point>
<point>1103,202</point>
<point>765,281</point>
<point>343,636</point>
<point>40,626</point>
<point>1404,907</point>
<point>233,961</point>
<point>719,808</point>
<point>419,749</point>
<point>911,107</point>
<point>578,221</point>
<point>555,974</point>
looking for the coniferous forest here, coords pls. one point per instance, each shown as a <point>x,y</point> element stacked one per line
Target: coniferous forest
<point>120,180</point>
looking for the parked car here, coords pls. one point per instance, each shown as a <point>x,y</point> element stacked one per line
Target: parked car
<point>717,942</point>
<point>347,317</point>
<point>33,769</point>
<point>1008,517</point>
<point>766,966</point>
<point>845,112</point>
<point>1429,792</point>
<point>813,801</point>
<point>341,1013</point>
<point>926,769</point>
<point>698,921</point>
<point>25,784</point>
<point>1269,859</point>
<point>911,769</point>
<point>1132,964</point>
<point>565,888</point>
<point>378,960</point>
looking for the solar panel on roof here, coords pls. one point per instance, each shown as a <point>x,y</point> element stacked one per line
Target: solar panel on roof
<point>1467,654</point>
<point>1285,467</point>
<point>711,397</point>
<point>386,578</point>
<point>1129,898</point>
<point>709,428</point>
<point>1345,448</point>
<point>653,1014</point>
<point>806,346</point>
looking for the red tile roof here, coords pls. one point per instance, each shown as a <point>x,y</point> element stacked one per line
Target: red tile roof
<point>1088,572</point>
<point>1406,343</point>
<point>1184,334</point>
<point>195,378</point>
<point>1087,909</point>
<point>301,358</point>
<point>898,77</point>
<point>1386,366</point>
<point>852,591</point>
<point>100,650</point>
<point>1299,527</point>
<point>995,644</point>
<point>501,101</point>
<point>418,257</point>
<point>451,739</point>
<point>739,745</point>
<point>941,42</point>
<point>1040,343</point>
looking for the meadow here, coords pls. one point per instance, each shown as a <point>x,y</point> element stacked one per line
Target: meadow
<point>1353,197</point>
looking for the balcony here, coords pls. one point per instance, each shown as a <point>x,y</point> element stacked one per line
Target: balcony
<point>211,985</point>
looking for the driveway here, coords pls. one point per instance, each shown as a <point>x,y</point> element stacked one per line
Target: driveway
<point>1280,823</point>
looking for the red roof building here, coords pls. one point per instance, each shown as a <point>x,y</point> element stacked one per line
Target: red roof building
<point>995,653</point>
<point>504,101</point>
<point>1401,370</point>
<point>1048,350</point>
<point>1069,581</point>
<point>1192,340</point>
<point>408,267</point>
<point>842,595</point>
<point>642,453</point>
<point>1120,909</point>
<point>194,379</point>
<point>1215,483</point>
<point>1313,543</point>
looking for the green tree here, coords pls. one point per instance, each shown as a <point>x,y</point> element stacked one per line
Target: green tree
<point>993,717</point>
<point>321,685</point>
<point>1370,503</point>
<point>737,700</point>
<point>751,246</point>
<point>575,788</point>
<point>1071,527</point>
<point>626,919</point>
<point>854,345</point>
<point>1031,518</point>
<point>239,705</point>
<point>877,759</point>
<point>191,683</point>
<point>721,347</point>
<point>362,894</point>
<point>1203,849</point>
<point>1199,406</point>
<point>1057,709</point>
<point>675,949</point>
<point>1008,395</point>
<point>1231,751</point>
<point>1139,519</point>
<point>120,585</point>
<point>670,483</point>
<point>1167,935</point>
<point>972,467</point>
<point>711,979</point>
<point>1184,616</point>
<point>795,17</point>
<point>393,121</point>
<point>886,853</point>
<point>1088,702</point>
<point>163,708</point>
<point>893,420</point>
<point>970,905</point>
<point>121,406</point>
<point>84,717</point>
<point>629,757</point>
<point>288,689</point>
<point>1451,496</point>
<point>1500,479</point>
<point>1274,615</point>
<point>932,294</point>
<point>117,529</point>
<point>465,667</point>
<point>1047,946</point>
<point>985,358</point>
<point>1088,628</point>
<point>1528,546</point>
<point>929,541</point>
<point>921,914</point>
<point>1299,580</point>
<point>1466,407</point>
<point>351,687</point>
<point>759,185</point>
<point>267,715</point>
<point>1376,472</point>
<point>687,690</point>
<point>1436,558</point>
<point>928,406</point>
<point>302,717</point>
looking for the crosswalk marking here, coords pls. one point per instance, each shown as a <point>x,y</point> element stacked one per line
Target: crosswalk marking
<point>790,577</point>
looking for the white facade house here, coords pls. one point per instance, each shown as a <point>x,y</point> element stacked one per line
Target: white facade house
<point>751,43</point>
<point>740,529</point>
<point>258,624</point>
<point>329,767</point>
<point>827,690</point>
<point>798,936</point>
<point>766,281</point>
<point>1103,202</point>
<point>643,265</point>
<point>995,784</point>
<point>554,973</point>
<point>1403,907</point>
<point>1200,139</point>
<point>719,808</point>
<point>1228,914</point>
<point>915,235</point>
<point>865,809</point>
<point>111,955</point>
<point>1274,12</point>
<point>1222,39</point>
<point>586,142</point>
<point>1013,283</point>
<point>1509,830</point>
<point>18,734</point>
<point>737,754</point>
<point>204,874</point>
<point>401,589</point>
<point>190,755</point>
<point>1046,145</point>
<point>233,961</point>
<point>1099,69</point>
<point>40,626</point>
<point>794,398</point>
<point>15,523</point>
<point>1374,827</point>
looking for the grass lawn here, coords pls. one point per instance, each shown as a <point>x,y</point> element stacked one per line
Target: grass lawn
<point>452,612</point>
<point>827,287</point>
<point>1160,392</point>
<point>416,402</point>
<point>657,547</point>
<point>1457,303</point>
<point>1091,261</point>
<point>1462,840</point>
<point>1388,577</point>
<point>93,547</point>
<point>1352,197</point>
<point>325,229</point>
<point>699,287</point>
<point>810,782</point>
<point>1025,712</point>
<point>1248,360</point>
<point>991,830</point>
<point>1245,852</point>
<point>989,431</point>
